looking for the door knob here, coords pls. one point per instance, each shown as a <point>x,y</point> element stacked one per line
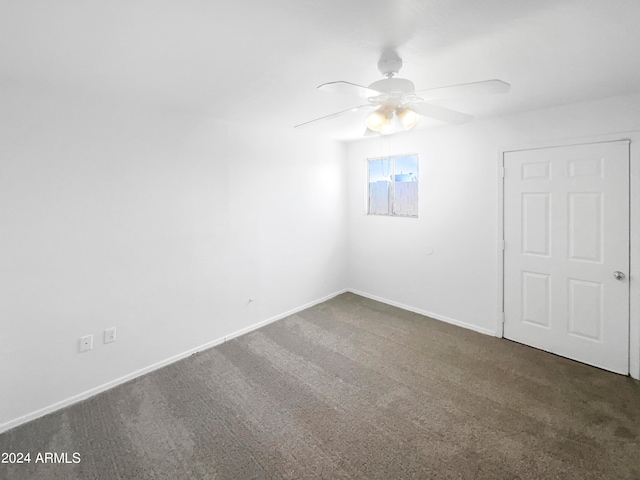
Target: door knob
<point>618,275</point>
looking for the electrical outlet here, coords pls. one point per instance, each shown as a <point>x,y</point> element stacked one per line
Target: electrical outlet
<point>86,343</point>
<point>110,335</point>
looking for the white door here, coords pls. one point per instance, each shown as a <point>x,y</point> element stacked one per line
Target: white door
<point>566,259</point>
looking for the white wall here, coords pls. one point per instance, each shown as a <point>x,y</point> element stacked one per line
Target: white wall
<point>160,223</point>
<point>389,258</point>
<point>165,224</point>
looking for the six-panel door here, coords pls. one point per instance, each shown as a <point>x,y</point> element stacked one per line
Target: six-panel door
<point>566,227</point>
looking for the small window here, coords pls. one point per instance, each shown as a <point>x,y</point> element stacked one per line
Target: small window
<point>393,186</point>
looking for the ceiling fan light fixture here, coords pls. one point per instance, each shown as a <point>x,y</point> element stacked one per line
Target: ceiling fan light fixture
<point>399,106</point>
<point>386,128</point>
<point>376,120</point>
<point>408,118</point>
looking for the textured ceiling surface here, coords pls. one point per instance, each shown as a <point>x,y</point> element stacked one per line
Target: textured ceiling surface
<point>263,60</point>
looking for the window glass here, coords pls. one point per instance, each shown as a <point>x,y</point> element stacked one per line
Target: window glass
<point>393,186</point>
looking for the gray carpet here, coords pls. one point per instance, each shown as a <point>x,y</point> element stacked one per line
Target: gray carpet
<point>348,389</point>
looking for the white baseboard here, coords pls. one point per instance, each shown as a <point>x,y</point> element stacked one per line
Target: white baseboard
<point>442,318</point>
<point>282,315</point>
<point>106,386</point>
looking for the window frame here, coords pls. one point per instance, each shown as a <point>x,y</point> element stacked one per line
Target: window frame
<point>393,185</point>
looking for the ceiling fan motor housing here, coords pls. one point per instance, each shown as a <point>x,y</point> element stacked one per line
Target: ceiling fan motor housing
<point>394,91</point>
<point>393,85</point>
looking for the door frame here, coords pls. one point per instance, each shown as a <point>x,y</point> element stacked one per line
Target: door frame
<point>634,230</point>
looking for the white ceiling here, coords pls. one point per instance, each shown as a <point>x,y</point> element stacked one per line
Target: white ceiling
<point>250,59</point>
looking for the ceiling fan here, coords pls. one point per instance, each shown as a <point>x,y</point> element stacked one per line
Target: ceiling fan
<point>398,104</point>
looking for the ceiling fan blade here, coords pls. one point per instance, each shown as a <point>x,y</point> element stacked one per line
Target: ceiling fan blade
<point>440,113</point>
<point>349,88</point>
<point>369,133</point>
<point>465,89</point>
<point>337,114</point>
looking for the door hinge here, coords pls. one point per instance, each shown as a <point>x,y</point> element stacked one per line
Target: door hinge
<point>502,316</point>
<point>503,245</point>
<point>503,172</point>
